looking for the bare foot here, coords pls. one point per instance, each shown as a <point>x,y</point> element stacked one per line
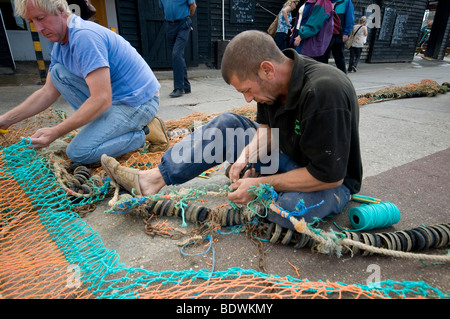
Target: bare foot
<point>144,183</point>
<point>151,181</point>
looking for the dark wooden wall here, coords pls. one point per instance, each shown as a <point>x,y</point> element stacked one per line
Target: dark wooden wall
<point>394,41</point>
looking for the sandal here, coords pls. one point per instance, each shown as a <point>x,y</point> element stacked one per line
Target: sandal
<point>126,177</point>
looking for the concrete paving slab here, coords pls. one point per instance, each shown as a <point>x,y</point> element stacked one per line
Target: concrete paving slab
<point>399,131</point>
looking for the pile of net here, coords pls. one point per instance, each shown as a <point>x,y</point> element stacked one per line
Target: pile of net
<point>425,88</point>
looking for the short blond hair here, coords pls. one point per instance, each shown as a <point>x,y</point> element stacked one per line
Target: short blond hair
<point>51,6</point>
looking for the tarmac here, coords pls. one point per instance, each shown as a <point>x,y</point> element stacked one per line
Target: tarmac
<point>405,148</point>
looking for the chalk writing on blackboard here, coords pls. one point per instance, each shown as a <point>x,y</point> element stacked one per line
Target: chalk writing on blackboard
<point>399,29</point>
<point>242,11</point>
<point>387,25</point>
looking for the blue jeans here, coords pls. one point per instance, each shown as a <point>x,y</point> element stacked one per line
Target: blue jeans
<point>199,151</point>
<point>115,132</point>
<point>177,34</point>
<point>355,55</point>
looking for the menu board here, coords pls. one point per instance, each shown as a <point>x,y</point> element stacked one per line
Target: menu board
<point>242,11</point>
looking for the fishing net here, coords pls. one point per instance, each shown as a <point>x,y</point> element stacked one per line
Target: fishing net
<point>425,88</point>
<point>48,251</point>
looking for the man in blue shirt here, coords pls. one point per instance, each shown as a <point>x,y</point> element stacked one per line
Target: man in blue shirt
<point>178,14</point>
<point>112,90</point>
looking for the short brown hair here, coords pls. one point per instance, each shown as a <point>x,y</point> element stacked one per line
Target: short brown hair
<point>245,53</point>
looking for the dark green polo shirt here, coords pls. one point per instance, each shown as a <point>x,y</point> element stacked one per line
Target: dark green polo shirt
<point>318,123</point>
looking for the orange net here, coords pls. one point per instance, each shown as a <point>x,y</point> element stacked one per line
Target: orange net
<point>255,285</point>
<point>31,264</point>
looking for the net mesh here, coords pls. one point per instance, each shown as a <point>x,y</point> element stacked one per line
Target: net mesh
<point>48,251</point>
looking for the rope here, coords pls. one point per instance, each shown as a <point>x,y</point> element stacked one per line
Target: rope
<point>265,194</point>
<point>331,243</point>
<point>123,203</point>
<point>209,247</point>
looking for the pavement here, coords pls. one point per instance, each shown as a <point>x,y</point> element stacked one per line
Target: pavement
<point>406,156</point>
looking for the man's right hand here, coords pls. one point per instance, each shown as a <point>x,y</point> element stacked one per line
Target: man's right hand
<point>4,123</point>
<point>235,171</point>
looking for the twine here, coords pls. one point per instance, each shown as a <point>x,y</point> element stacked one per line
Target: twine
<point>367,217</point>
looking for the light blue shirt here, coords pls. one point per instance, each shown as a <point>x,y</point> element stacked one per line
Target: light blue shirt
<point>176,9</point>
<point>282,26</point>
<point>92,46</point>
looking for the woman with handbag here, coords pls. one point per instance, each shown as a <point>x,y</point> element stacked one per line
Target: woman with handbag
<point>284,24</point>
<point>357,40</point>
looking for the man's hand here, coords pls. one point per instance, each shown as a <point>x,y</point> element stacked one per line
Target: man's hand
<point>235,171</point>
<point>240,170</point>
<point>4,123</point>
<point>43,137</point>
<point>241,187</point>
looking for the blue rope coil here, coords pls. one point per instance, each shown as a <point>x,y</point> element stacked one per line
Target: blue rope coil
<point>372,216</point>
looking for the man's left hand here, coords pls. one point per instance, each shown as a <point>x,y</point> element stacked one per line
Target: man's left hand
<point>241,187</point>
<point>43,137</point>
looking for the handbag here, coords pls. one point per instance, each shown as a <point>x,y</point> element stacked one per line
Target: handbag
<point>273,26</point>
<point>349,42</point>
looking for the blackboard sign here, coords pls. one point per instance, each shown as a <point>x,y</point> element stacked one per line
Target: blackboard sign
<point>387,25</point>
<point>242,11</point>
<point>399,29</point>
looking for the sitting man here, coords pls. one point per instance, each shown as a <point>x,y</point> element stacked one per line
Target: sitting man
<point>112,89</point>
<point>311,107</point>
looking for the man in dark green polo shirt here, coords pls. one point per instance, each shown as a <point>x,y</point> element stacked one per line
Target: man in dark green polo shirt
<point>305,143</point>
